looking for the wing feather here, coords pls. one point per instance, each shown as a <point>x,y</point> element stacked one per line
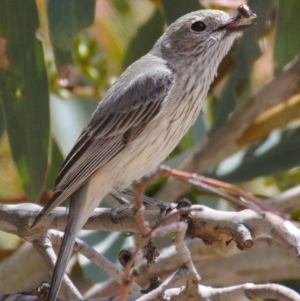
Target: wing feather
<point>134,99</point>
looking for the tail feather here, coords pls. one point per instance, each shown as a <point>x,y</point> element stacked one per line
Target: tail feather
<point>74,224</point>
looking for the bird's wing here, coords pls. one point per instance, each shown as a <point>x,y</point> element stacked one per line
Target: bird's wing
<point>134,99</point>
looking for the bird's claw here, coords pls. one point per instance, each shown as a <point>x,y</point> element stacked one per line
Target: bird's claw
<point>165,208</point>
<point>116,210</point>
<point>125,204</point>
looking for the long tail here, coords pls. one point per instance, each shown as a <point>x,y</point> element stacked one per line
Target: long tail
<point>76,219</point>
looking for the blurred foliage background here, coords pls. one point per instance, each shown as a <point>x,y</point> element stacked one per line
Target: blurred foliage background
<point>57,59</point>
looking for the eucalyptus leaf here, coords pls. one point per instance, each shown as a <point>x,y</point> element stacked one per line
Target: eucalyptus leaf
<point>24,92</point>
<point>66,20</point>
<point>145,38</point>
<point>174,9</point>
<point>287,42</point>
<point>2,123</point>
<point>56,162</point>
<point>275,154</point>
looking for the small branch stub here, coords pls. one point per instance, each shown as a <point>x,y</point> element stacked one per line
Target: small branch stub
<point>148,252</point>
<point>41,292</point>
<point>154,283</point>
<point>208,225</point>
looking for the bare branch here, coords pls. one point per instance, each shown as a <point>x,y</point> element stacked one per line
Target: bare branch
<point>45,249</point>
<point>242,227</point>
<point>157,293</point>
<point>99,260</point>
<point>271,290</point>
<point>233,293</point>
<point>266,260</point>
<point>287,201</point>
<point>210,225</point>
<point>16,219</point>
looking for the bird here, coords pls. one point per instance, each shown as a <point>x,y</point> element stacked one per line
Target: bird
<point>141,119</point>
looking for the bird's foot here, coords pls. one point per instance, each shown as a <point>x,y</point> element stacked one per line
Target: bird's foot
<point>163,206</point>
<point>124,205</point>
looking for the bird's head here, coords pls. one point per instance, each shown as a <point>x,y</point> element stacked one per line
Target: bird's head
<point>204,34</point>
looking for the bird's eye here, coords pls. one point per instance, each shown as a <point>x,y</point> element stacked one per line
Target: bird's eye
<point>198,26</point>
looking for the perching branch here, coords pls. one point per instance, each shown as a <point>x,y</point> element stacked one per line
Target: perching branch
<point>212,226</point>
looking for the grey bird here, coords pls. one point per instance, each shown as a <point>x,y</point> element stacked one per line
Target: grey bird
<point>141,119</point>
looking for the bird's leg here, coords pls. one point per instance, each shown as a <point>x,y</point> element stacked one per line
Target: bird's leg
<point>124,204</point>
<point>163,206</point>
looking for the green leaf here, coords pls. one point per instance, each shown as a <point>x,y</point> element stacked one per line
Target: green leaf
<point>66,20</point>
<point>174,9</point>
<point>2,124</point>
<point>275,154</point>
<point>236,90</point>
<point>287,42</point>
<point>145,39</point>
<point>121,5</point>
<point>56,163</point>
<point>24,92</point>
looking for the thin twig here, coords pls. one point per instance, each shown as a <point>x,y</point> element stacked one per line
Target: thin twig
<point>245,200</point>
<point>98,259</point>
<point>156,293</point>
<point>45,249</point>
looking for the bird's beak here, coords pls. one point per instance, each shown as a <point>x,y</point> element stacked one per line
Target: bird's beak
<point>237,23</point>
